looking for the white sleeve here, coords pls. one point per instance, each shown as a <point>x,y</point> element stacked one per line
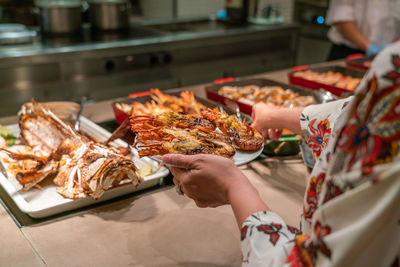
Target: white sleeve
<point>266,240</point>
<point>339,11</point>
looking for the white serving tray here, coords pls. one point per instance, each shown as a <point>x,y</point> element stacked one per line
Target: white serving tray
<point>42,203</point>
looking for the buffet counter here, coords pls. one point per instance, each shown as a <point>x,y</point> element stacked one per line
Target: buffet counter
<point>153,228</point>
<point>169,55</point>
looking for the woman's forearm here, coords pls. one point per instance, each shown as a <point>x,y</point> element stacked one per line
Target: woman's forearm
<point>288,118</point>
<point>245,200</point>
<point>350,31</point>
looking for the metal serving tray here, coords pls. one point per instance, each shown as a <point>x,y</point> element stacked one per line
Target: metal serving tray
<point>212,92</point>
<point>316,85</point>
<point>144,97</point>
<point>358,61</point>
<point>42,203</point>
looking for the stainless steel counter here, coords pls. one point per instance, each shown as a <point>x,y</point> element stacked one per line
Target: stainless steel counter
<point>156,55</point>
<point>143,34</point>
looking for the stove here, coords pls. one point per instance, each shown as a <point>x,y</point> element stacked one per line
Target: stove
<point>12,34</point>
<point>88,36</point>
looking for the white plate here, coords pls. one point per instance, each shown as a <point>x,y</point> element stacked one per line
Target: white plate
<point>241,157</point>
<point>46,202</point>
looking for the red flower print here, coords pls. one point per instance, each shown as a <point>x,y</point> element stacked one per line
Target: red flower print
<point>396,61</point>
<point>321,231</point>
<point>302,255</point>
<point>319,136</point>
<point>272,230</point>
<point>294,258</point>
<point>243,233</point>
<point>372,133</point>
<point>332,192</point>
<point>293,230</point>
<point>308,247</point>
<point>313,191</point>
<point>392,75</point>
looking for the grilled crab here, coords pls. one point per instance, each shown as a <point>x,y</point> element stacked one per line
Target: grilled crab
<point>80,166</point>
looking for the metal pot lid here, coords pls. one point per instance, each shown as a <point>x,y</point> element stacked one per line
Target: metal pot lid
<point>58,3</point>
<point>12,27</point>
<point>107,1</point>
<point>16,34</point>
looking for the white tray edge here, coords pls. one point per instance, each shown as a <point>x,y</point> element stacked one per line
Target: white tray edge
<point>69,204</point>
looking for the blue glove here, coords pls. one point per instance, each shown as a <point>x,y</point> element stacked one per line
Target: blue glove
<point>374,49</point>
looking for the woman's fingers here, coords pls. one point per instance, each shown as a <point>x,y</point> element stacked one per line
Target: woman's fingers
<point>178,172</point>
<point>207,204</point>
<point>274,134</point>
<point>264,133</point>
<point>180,161</point>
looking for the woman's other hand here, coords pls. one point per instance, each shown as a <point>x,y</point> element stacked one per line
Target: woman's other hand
<point>263,120</point>
<point>270,120</point>
<point>207,179</point>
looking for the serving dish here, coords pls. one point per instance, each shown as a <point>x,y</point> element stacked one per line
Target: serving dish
<point>345,71</point>
<point>144,97</point>
<point>46,202</point>
<point>359,61</point>
<point>212,92</point>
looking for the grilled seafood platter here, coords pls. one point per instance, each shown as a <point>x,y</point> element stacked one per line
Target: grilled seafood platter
<point>210,132</point>
<point>251,94</point>
<point>330,78</point>
<point>51,149</point>
<point>161,103</point>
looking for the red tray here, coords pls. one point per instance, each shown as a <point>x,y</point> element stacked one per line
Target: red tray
<point>316,85</point>
<point>212,92</point>
<point>358,61</point>
<point>144,97</point>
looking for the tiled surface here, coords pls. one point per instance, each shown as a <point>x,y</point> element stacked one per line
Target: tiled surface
<point>15,249</point>
<point>160,229</point>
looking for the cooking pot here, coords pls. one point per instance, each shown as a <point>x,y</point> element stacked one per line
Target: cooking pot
<point>109,15</point>
<point>60,16</point>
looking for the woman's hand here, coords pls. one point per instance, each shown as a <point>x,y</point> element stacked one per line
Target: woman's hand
<point>270,120</point>
<point>212,181</point>
<point>207,179</point>
<point>263,117</point>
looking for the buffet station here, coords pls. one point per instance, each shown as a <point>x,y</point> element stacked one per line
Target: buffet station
<point>88,109</point>
<point>137,213</point>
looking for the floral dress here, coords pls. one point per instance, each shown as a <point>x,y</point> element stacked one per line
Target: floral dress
<point>351,208</point>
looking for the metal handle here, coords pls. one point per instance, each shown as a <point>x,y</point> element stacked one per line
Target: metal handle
<point>78,115</point>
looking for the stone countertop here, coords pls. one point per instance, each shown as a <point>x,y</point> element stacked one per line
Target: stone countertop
<point>156,229</point>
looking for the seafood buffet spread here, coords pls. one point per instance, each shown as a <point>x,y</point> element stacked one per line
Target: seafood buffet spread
<point>182,125</point>
<point>330,78</point>
<point>251,94</point>
<point>50,149</point>
<point>210,132</point>
<point>161,102</point>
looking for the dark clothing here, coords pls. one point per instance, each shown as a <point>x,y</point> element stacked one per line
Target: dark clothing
<point>342,51</point>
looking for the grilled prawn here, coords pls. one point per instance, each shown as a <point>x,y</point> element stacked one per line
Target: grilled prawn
<point>159,135</point>
<point>244,136</point>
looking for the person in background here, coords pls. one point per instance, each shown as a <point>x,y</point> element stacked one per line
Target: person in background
<point>364,26</point>
<point>351,211</point>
